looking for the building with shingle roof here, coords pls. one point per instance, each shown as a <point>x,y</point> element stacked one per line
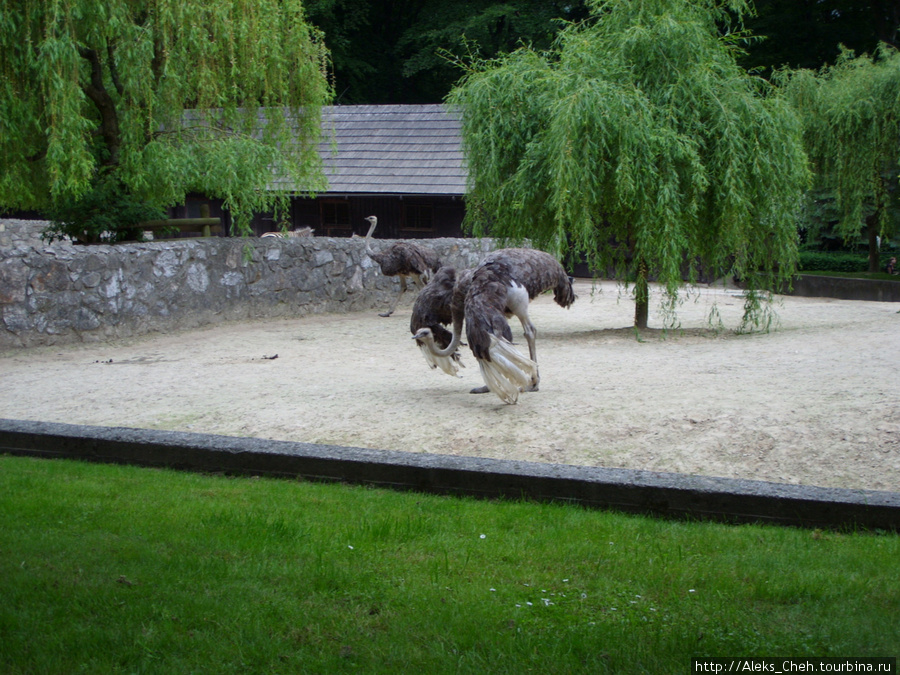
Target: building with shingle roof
<point>402,163</point>
<point>393,150</point>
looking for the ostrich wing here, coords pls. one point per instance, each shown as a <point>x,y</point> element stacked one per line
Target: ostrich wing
<point>485,306</point>
<point>504,369</point>
<point>507,372</point>
<point>449,364</point>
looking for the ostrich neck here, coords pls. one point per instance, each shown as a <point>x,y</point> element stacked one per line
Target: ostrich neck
<point>369,239</point>
<point>450,349</point>
<point>454,341</point>
<point>458,311</point>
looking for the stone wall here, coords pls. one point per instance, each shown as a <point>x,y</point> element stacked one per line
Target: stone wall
<point>60,293</point>
<point>20,233</point>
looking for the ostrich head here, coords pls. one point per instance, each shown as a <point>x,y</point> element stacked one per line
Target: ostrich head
<point>448,362</point>
<point>425,338</point>
<point>424,335</point>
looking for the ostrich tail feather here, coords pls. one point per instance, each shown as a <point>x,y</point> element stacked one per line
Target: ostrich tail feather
<point>449,364</point>
<point>508,372</point>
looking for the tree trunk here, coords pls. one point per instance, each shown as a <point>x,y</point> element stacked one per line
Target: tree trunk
<point>874,256</point>
<point>641,297</point>
<point>96,91</point>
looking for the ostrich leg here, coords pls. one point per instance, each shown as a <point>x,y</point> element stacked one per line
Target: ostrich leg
<point>396,298</point>
<point>403,287</point>
<point>531,339</point>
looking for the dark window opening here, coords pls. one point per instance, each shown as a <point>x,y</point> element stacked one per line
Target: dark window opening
<point>336,219</point>
<point>418,219</point>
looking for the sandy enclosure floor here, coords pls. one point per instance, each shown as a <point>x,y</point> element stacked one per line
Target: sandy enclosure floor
<point>815,402</point>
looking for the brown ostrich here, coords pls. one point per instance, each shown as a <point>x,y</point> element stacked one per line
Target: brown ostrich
<point>402,259</point>
<point>501,286</point>
<point>433,310</point>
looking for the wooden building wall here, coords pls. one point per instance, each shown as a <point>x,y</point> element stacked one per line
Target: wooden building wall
<point>406,217</point>
<point>398,217</point>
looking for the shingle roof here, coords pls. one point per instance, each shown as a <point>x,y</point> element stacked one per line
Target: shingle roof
<point>393,149</point>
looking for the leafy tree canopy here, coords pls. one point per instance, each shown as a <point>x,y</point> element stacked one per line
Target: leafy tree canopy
<point>90,88</point>
<point>851,118</point>
<point>638,142</point>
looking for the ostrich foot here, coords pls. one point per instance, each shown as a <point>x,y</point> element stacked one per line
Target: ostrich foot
<point>385,314</point>
<point>485,390</point>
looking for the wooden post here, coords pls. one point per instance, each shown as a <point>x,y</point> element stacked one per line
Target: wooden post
<point>204,213</point>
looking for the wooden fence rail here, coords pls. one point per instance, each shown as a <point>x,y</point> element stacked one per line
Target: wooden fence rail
<point>203,225</point>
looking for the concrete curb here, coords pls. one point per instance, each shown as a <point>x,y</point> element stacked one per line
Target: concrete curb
<point>663,494</point>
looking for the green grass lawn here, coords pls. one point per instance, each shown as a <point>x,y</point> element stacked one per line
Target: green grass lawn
<point>116,569</point>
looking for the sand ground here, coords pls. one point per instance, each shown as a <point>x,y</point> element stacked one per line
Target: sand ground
<point>813,402</point>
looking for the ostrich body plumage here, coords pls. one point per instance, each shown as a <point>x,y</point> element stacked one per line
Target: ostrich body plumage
<point>402,259</point>
<point>501,286</point>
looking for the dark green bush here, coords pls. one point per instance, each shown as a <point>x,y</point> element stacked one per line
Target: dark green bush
<point>106,214</point>
<point>820,261</point>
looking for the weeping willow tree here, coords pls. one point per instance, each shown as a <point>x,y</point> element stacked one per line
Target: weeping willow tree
<point>851,117</point>
<point>160,97</point>
<point>638,143</point>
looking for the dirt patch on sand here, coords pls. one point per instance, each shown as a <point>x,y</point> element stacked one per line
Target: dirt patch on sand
<point>814,402</point>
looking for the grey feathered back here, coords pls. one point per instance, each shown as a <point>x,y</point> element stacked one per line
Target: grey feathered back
<point>537,271</point>
<point>485,302</point>
<point>404,257</point>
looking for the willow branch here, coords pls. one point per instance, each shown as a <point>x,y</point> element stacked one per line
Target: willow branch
<point>113,69</point>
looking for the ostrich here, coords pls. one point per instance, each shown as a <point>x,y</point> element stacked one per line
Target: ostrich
<point>502,286</point>
<point>433,310</point>
<point>402,259</point>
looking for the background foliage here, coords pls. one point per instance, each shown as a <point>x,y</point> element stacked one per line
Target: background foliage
<point>90,88</point>
<point>106,213</point>
<point>156,57</point>
<point>851,117</point>
<point>810,33</point>
<point>820,261</point>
